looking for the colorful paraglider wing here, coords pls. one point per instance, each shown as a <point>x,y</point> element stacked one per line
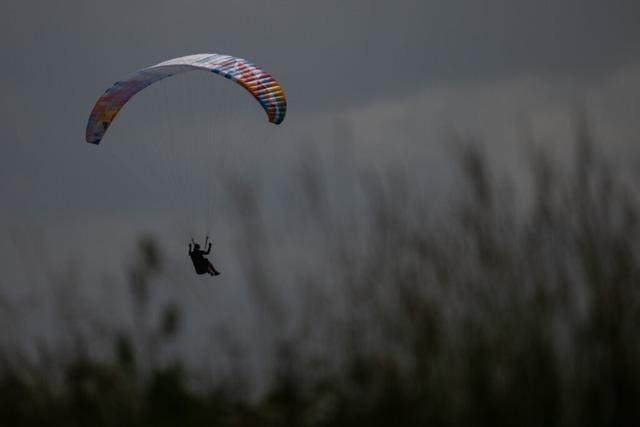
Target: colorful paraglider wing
<point>260,84</point>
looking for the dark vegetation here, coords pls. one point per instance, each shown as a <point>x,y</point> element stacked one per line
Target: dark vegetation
<point>513,308</point>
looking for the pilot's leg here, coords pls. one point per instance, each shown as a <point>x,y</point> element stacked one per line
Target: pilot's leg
<point>212,269</point>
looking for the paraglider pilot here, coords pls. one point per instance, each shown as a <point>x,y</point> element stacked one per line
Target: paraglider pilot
<point>202,264</point>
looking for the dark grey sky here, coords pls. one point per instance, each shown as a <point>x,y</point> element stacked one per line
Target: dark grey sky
<point>437,63</point>
<point>330,55</point>
<point>396,72</point>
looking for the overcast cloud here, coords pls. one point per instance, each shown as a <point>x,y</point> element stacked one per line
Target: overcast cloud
<point>395,76</point>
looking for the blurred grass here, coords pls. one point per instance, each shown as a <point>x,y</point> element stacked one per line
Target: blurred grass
<point>510,309</point>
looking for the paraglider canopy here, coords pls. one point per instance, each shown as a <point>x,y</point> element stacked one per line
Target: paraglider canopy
<point>264,88</point>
